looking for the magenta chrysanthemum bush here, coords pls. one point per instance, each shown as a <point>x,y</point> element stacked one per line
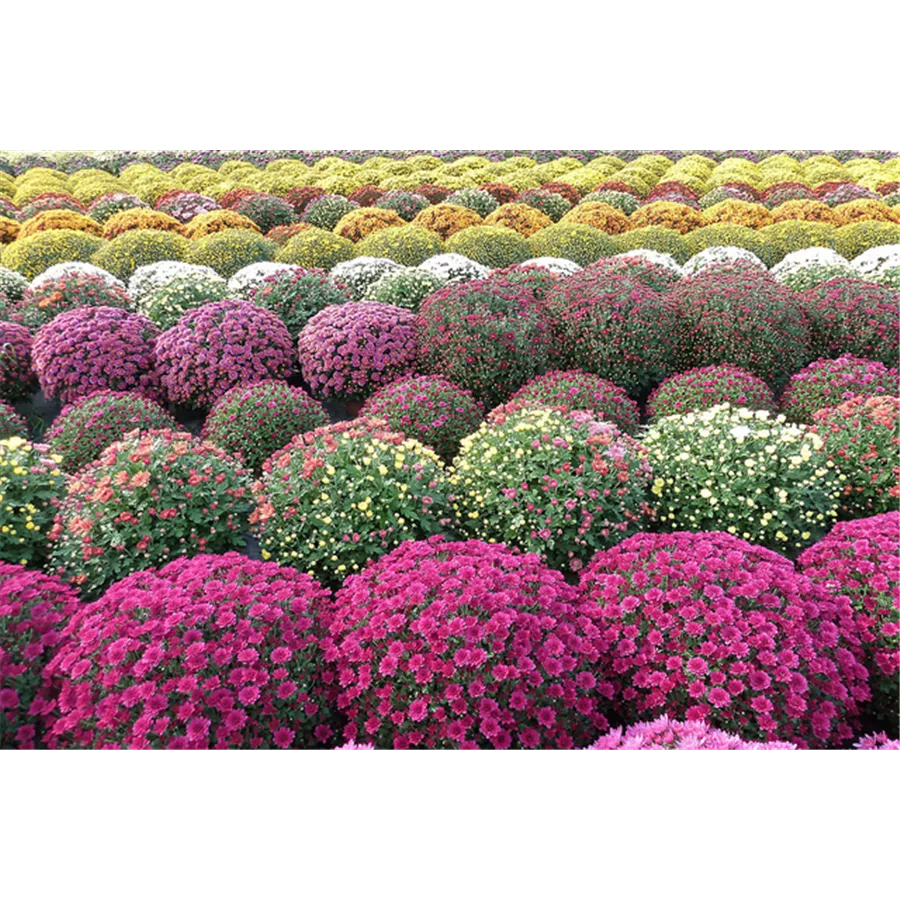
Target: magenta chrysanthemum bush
<point>253,421</point>
<point>353,349</point>
<point>879,741</point>
<point>671,734</point>
<point>650,274</point>
<point>573,390</point>
<point>468,644</point>
<point>11,423</point>
<point>96,348</point>
<point>16,374</point>
<point>704,388</point>
<point>708,627</point>
<point>219,346</point>
<point>829,382</point>
<point>34,610</point>
<point>212,652</point>
<point>428,408</point>
<point>89,425</point>
<point>861,560</point>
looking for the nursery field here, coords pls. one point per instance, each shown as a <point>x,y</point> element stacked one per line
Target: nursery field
<point>476,449</point>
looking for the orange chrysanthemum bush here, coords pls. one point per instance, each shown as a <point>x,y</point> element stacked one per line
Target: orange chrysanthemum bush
<point>807,211</point>
<point>598,215</point>
<point>360,223</point>
<point>53,219</point>
<point>867,211</point>
<point>519,217</point>
<point>9,230</point>
<point>140,219</point>
<point>215,221</point>
<point>445,219</point>
<point>677,216</point>
<point>738,212</point>
<point>281,234</point>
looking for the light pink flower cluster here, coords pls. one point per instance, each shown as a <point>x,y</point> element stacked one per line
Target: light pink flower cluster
<point>879,741</point>
<point>671,734</point>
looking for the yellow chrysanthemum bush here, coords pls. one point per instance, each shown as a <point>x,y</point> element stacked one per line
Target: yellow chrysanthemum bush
<point>133,249</point>
<point>806,211</point>
<point>360,223</point>
<point>866,211</point>
<point>520,217</point>
<point>738,212</point>
<point>215,221</point>
<point>745,472</point>
<point>676,216</point>
<point>653,237</point>
<point>490,245</point>
<point>852,240</point>
<point>31,485</point>
<point>561,484</point>
<point>316,248</point>
<point>725,234</point>
<point>32,255</point>
<point>336,497</point>
<point>566,240</point>
<point>136,219</point>
<point>227,252</point>
<point>408,245</point>
<point>791,235</point>
<point>53,219</point>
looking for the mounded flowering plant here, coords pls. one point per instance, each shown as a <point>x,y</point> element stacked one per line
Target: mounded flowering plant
<point>212,652</point>
<point>829,382</point>
<point>107,205</point>
<point>406,204</point>
<point>488,336</point>
<point>336,497</point>
<point>266,211</point>
<point>429,409</point>
<point>16,374</point>
<point>671,734</point>
<point>707,627</point>
<point>454,267</point>
<point>579,244</point>
<point>149,279</point>
<point>480,201</point>
<point>227,252</point>
<point>850,315</point>
<point>184,205</point>
<point>31,485</point>
<point>878,741</point>
<point>860,560</point>
<point>216,221</point>
<point>554,483</point>
<point>699,389</point>
<point>253,421</point>
<point>165,306</point>
<point>351,350</point>
<point>615,327</point>
<point>34,610</point>
<point>744,472</point>
<point>360,223</point>
<point>406,287</point>
<point>95,348</point>
<point>860,436</point>
<point>805,269</point>
<point>12,284</point>
<point>86,427</point>
<point>739,314</point>
<point>356,275</point>
<point>124,255</point>
<point>444,644</point>
<point>149,498</point>
<point>574,389</point>
<point>494,246</point>
<point>315,248</point>
<point>218,346</point>
<point>658,275</point>
<point>251,277</point>
<point>407,245</point>
<point>11,423</point>
<point>139,220</point>
<point>52,297</point>
<point>880,265</point>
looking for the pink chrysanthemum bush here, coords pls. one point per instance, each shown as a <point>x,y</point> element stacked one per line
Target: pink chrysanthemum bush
<point>559,484</point>
<point>850,315</point>
<point>89,425</point>
<point>95,348</point>
<point>704,388</point>
<point>253,421</point>
<point>861,438</point>
<point>489,337</point>
<point>219,346</point>
<point>708,627</point>
<point>575,389</point>
<point>861,560</point>
<point>671,734</point>
<point>429,409</point>
<point>43,303</point>
<point>212,652</point>
<point>34,610</point>
<point>879,741</point>
<point>647,272</point>
<point>352,349</point>
<point>614,326</point>
<point>444,644</point>
<point>335,498</point>
<point>147,499</point>
<point>11,423</point>
<point>16,374</point>
<point>829,382</point>
<point>739,314</point>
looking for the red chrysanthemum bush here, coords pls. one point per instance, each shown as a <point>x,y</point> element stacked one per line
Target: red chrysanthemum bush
<point>615,327</point>
<point>704,388</point>
<point>434,193</point>
<point>860,560</point>
<point>489,337</point>
<point>829,382</point>
<point>34,610</point>
<point>739,314</point>
<point>850,315</point>
<point>300,197</point>
<point>860,437</point>
<point>705,626</point>
<point>213,652</point>
<point>502,193</point>
<point>464,644</point>
<point>570,192</point>
<point>366,194</point>
<point>572,390</point>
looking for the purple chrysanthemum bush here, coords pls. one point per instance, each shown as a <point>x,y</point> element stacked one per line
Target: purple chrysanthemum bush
<point>219,346</point>
<point>699,389</point>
